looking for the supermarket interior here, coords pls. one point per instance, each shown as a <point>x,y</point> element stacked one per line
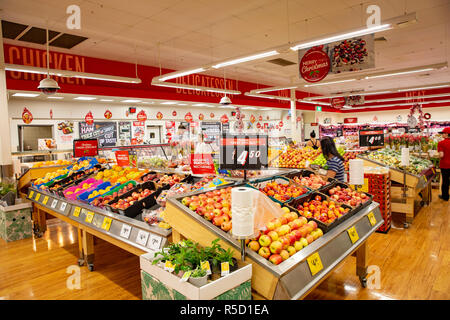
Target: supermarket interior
<point>224,150</point>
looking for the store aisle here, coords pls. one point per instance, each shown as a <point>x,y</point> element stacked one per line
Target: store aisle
<point>413,263</point>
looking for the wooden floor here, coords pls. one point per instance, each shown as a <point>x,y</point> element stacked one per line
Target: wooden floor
<point>414,264</point>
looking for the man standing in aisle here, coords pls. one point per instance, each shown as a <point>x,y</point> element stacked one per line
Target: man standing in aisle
<point>444,154</point>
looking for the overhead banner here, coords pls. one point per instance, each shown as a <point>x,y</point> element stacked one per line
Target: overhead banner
<point>104,132</point>
<point>348,55</point>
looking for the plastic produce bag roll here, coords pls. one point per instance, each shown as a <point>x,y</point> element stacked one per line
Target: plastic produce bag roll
<point>356,171</point>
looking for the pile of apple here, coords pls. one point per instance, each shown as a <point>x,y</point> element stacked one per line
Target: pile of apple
<point>324,211</point>
<point>283,192</point>
<point>348,196</point>
<point>283,237</point>
<point>102,201</point>
<point>170,179</point>
<point>313,181</point>
<point>296,158</point>
<point>123,204</point>
<point>214,206</point>
<point>148,177</point>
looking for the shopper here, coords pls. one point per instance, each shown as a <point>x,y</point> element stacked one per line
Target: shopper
<point>444,155</point>
<point>313,143</point>
<point>202,147</point>
<point>335,162</point>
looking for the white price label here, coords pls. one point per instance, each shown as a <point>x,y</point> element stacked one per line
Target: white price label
<point>125,231</point>
<point>155,242</point>
<point>142,237</point>
<point>63,206</point>
<point>54,203</point>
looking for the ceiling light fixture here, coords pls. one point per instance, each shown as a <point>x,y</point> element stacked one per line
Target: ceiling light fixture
<point>245,59</point>
<point>424,88</point>
<point>106,100</point>
<point>131,101</point>
<point>55,97</point>
<point>315,102</point>
<point>168,102</point>
<point>402,104</point>
<point>267,96</point>
<point>179,74</point>
<point>26,95</point>
<point>273,89</point>
<point>342,36</point>
<point>397,73</point>
<point>327,83</point>
<point>84,98</point>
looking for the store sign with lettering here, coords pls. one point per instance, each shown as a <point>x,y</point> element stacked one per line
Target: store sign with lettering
<point>85,148</point>
<point>142,116</point>
<point>371,137</point>
<point>123,158</point>
<point>350,120</point>
<point>243,152</point>
<point>338,102</point>
<point>314,65</point>
<point>105,132</point>
<point>202,164</point>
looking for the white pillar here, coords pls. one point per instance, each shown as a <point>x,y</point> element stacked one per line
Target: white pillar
<point>5,134</point>
<point>293,116</point>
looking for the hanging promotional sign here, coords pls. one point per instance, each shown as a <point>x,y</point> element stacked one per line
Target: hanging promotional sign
<point>64,133</point>
<point>258,125</point>
<point>338,102</point>
<point>159,116</point>
<point>243,152</point>
<point>211,115</point>
<point>142,116</point>
<point>314,65</point>
<point>281,124</point>
<point>354,100</point>
<point>224,119</point>
<point>107,114</point>
<point>174,113</point>
<point>89,119</point>
<point>201,117</point>
<point>260,118</point>
<point>85,148</point>
<point>350,120</point>
<point>202,164</point>
<point>188,117</point>
<point>123,158</point>
<point>170,124</point>
<point>27,117</point>
<point>252,119</point>
<point>51,113</point>
<point>371,137</point>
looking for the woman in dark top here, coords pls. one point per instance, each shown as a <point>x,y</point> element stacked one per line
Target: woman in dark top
<point>313,143</point>
<point>335,161</point>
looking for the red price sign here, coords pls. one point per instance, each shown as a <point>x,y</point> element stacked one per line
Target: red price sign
<point>85,148</point>
<point>123,158</point>
<point>314,65</point>
<point>202,164</point>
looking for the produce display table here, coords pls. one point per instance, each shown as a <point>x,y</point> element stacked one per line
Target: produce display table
<point>129,234</point>
<point>416,185</point>
<point>293,278</point>
<point>31,174</point>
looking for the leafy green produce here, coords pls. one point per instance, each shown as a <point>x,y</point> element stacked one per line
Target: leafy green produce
<point>392,158</point>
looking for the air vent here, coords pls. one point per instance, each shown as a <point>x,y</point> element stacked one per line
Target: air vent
<point>67,41</point>
<point>37,35</point>
<point>11,30</point>
<point>281,62</point>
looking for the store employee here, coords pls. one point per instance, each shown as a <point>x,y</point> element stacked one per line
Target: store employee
<point>335,161</point>
<point>444,154</point>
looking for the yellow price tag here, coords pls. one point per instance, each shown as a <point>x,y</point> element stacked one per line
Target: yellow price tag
<point>89,217</point>
<point>76,212</point>
<point>425,177</point>
<point>45,200</point>
<point>353,234</point>
<point>31,194</point>
<point>37,196</point>
<point>205,266</point>
<point>106,223</point>
<point>225,268</point>
<point>314,263</point>
<point>372,218</point>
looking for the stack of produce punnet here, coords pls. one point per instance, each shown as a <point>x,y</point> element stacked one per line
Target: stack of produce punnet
<point>297,158</point>
<point>281,232</point>
<point>392,158</point>
<point>279,189</point>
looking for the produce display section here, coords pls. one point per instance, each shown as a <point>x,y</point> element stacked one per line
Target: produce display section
<point>296,275</point>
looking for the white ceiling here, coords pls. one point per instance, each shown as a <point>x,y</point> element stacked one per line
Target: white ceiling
<point>189,33</point>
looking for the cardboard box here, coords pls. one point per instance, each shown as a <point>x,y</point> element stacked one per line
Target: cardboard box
<point>15,221</point>
<point>163,285</point>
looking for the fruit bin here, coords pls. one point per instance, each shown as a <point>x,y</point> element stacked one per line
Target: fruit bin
<point>292,278</point>
<point>73,196</point>
<point>261,183</point>
<point>324,226</point>
<point>85,196</point>
<point>326,189</point>
<point>75,179</point>
<point>305,173</point>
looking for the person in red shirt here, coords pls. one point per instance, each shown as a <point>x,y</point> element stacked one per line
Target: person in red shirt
<point>444,154</point>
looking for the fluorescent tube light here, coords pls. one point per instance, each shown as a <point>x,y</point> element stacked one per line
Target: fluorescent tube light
<point>131,101</point>
<point>146,102</point>
<point>342,36</point>
<point>168,102</point>
<point>267,96</point>
<point>424,88</point>
<point>84,98</point>
<point>397,73</point>
<point>315,102</point>
<point>55,97</point>
<point>106,100</point>
<point>245,59</point>
<point>180,74</point>
<point>28,95</point>
<point>181,104</point>
<point>273,89</point>
<point>326,83</point>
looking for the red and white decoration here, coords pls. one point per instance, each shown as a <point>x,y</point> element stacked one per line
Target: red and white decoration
<point>224,119</point>
<point>89,118</point>
<point>159,116</point>
<point>412,110</point>
<point>280,124</point>
<point>260,118</point>
<point>201,116</point>
<point>188,117</point>
<point>27,117</point>
<point>51,113</point>
<point>142,116</point>
<point>174,113</point>
<point>315,65</point>
<point>252,119</point>
<point>338,102</point>
<point>211,115</point>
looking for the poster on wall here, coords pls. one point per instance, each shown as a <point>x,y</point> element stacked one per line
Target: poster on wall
<point>124,133</point>
<point>46,144</point>
<point>138,132</point>
<point>104,132</point>
<point>65,133</point>
<point>211,129</point>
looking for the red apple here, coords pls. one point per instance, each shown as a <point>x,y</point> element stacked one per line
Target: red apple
<point>275,247</point>
<point>304,242</point>
<point>291,250</point>
<point>284,254</point>
<point>275,259</point>
<point>254,245</point>
<point>218,220</point>
<point>226,226</point>
<point>209,215</point>
<point>309,238</point>
<point>298,245</point>
<point>273,235</point>
<point>284,229</point>
<point>270,226</point>
<point>284,241</point>
<point>265,240</point>
<point>201,211</point>
<point>313,224</point>
<point>217,212</point>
